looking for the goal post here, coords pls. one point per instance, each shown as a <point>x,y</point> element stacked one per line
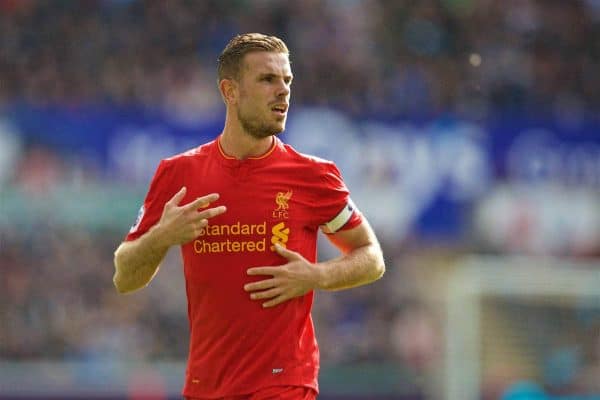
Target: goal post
<point>504,314</point>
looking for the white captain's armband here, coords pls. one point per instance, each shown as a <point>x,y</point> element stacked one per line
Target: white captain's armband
<point>340,220</point>
<point>138,220</point>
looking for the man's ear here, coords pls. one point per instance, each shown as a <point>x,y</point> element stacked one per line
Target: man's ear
<point>229,91</point>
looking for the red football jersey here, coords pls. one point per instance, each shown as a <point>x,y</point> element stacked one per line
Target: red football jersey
<point>236,345</point>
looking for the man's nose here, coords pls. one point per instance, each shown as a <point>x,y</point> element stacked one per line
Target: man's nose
<point>283,89</point>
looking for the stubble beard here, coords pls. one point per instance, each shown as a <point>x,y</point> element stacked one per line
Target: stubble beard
<point>256,128</point>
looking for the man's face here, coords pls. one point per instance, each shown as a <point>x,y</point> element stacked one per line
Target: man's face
<point>264,93</point>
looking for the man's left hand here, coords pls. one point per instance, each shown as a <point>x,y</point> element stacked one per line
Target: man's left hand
<point>293,279</point>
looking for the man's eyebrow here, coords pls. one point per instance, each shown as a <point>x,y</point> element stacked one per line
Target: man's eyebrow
<point>271,75</point>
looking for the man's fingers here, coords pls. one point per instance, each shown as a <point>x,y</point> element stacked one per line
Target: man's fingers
<point>201,202</point>
<point>209,213</point>
<point>262,271</point>
<point>277,300</point>
<point>286,253</point>
<point>266,294</point>
<point>260,285</point>
<point>178,196</point>
<point>202,223</point>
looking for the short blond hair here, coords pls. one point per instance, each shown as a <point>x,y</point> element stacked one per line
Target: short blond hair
<point>229,63</point>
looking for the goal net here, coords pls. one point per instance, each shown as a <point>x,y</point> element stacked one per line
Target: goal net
<point>517,323</point>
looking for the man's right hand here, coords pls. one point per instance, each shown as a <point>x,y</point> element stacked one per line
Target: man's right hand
<point>181,224</point>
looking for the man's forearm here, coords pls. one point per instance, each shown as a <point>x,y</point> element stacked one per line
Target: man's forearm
<point>136,262</point>
<point>358,267</point>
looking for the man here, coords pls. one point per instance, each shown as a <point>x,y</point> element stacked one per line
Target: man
<point>250,259</point>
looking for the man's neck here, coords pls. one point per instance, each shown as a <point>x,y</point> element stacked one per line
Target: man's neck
<point>241,145</point>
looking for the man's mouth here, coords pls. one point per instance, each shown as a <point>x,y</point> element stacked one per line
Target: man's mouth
<point>280,108</point>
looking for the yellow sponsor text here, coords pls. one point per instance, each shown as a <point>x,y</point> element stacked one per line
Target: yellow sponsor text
<point>234,229</point>
<point>228,246</point>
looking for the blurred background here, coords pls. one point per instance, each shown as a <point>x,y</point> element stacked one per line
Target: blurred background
<point>467,130</point>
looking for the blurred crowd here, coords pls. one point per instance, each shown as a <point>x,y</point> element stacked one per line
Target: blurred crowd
<point>395,57</point>
<point>372,57</point>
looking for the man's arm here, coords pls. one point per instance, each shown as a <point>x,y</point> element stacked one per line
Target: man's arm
<point>361,263</point>
<point>137,261</point>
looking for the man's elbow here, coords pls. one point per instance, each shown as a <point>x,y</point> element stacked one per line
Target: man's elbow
<point>378,269</point>
<point>121,287</point>
<point>120,283</point>
<point>378,265</point>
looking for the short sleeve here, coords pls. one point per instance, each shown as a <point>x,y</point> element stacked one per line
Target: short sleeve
<point>162,188</point>
<point>334,210</point>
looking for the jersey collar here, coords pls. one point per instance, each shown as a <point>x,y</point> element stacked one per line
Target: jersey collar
<point>232,161</point>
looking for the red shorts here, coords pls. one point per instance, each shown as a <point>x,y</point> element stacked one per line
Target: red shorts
<point>273,393</point>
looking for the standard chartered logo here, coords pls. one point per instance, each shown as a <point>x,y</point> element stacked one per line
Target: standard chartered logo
<point>239,238</point>
<point>281,234</point>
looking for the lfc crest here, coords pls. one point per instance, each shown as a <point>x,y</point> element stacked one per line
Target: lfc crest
<point>281,212</point>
